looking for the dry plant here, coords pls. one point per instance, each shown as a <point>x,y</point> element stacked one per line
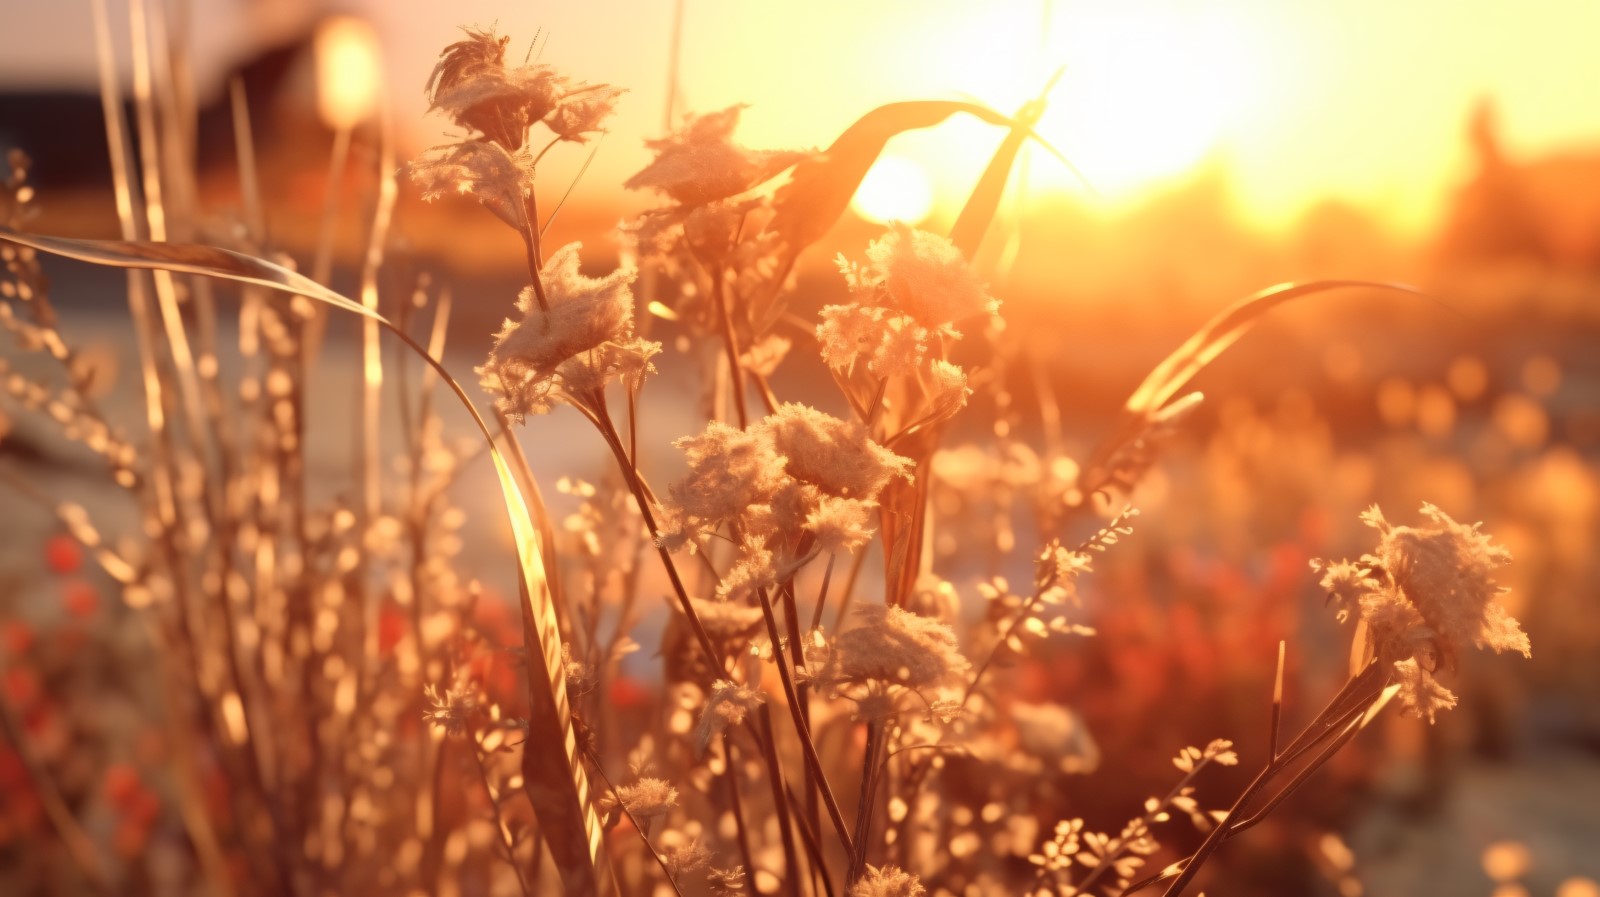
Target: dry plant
<point>334,706</point>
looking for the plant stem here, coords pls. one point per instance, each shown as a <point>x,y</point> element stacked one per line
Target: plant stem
<point>730,342</point>
<point>807,747</point>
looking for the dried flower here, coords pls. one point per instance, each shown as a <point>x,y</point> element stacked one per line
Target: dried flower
<point>643,799</point>
<point>530,359</point>
<point>1425,594</point>
<point>686,858</point>
<point>836,456</point>
<point>925,276</point>
<point>482,169</point>
<point>451,711</point>
<point>700,163</point>
<point>755,569</point>
<point>727,705</point>
<point>727,619</point>
<point>583,112</point>
<point>729,470</point>
<point>841,524</point>
<point>889,646</point>
<point>1446,571</point>
<point>887,881</point>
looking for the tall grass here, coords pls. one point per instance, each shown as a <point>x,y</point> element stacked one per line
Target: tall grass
<point>335,707</point>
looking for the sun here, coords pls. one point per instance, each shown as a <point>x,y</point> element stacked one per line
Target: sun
<point>895,189</point>
<point>1148,89</point>
<point>1145,97</point>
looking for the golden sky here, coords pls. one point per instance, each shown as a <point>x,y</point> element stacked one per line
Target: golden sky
<point>1364,100</point>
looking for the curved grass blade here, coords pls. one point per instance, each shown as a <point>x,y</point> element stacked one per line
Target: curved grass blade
<point>1223,330</point>
<point>1210,341</point>
<point>978,213</point>
<point>821,186</point>
<point>554,777</point>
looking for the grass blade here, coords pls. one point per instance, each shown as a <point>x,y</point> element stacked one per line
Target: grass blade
<point>555,781</point>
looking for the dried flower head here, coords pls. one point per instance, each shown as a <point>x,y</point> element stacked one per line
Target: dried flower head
<point>686,858</point>
<point>453,709</point>
<point>554,350</point>
<point>484,170</point>
<point>727,619</point>
<point>925,276</point>
<point>700,163</point>
<point>1447,572</point>
<point>473,86</point>
<point>583,112</point>
<point>841,524</point>
<point>729,470</point>
<point>836,456</point>
<point>727,705</point>
<point>1426,594</point>
<point>643,799</point>
<point>887,881</point>
<point>889,646</point>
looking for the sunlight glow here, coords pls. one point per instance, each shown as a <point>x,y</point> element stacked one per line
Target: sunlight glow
<point>895,189</point>
<point>348,69</point>
<point>1146,97</point>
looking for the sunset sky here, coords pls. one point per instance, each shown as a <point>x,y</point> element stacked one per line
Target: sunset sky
<point>1364,100</point>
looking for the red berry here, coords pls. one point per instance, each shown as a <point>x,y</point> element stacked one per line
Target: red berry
<point>80,598</point>
<point>63,554</point>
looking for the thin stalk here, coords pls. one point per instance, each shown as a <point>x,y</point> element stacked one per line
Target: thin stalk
<point>660,860</point>
<point>642,496</point>
<point>735,802</point>
<point>864,800</point>
<point>780,803</point>
<point>500,826</point>
<point>719,289</point>
<point>808,748</point>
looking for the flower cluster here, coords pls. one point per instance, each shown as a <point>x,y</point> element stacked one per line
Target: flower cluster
<point>497,104</point>
<point>886,652</point>
<point>887,881</point>
<point>1426,594</point>
<point>914,287</point>
<point>570,348</point>
<point>797,477</point>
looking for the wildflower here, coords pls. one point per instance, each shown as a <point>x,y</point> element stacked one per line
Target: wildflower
<point>700,163</point>
<point>1345,582</point>
<point>841,524</point>
<point>472,85</point>
<point>530,359</point>
<point>890,646</point>
<point>887,881</point>
<point>451,711</point>
<point>727,705</point>
<point>925,276</point>
<point>1446,571</point>
<point>1425,594</point>
<point>754,570</point>
<point>831,454</point>
<point>729,470</point>
<point>686,858</point>
<point>949,390</point>
<point>482,169</point>
<point>643,799</point>
<point>727,619</point>
<point>1219,750</point>
<point>847,332</point>
<point>583,111</point>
